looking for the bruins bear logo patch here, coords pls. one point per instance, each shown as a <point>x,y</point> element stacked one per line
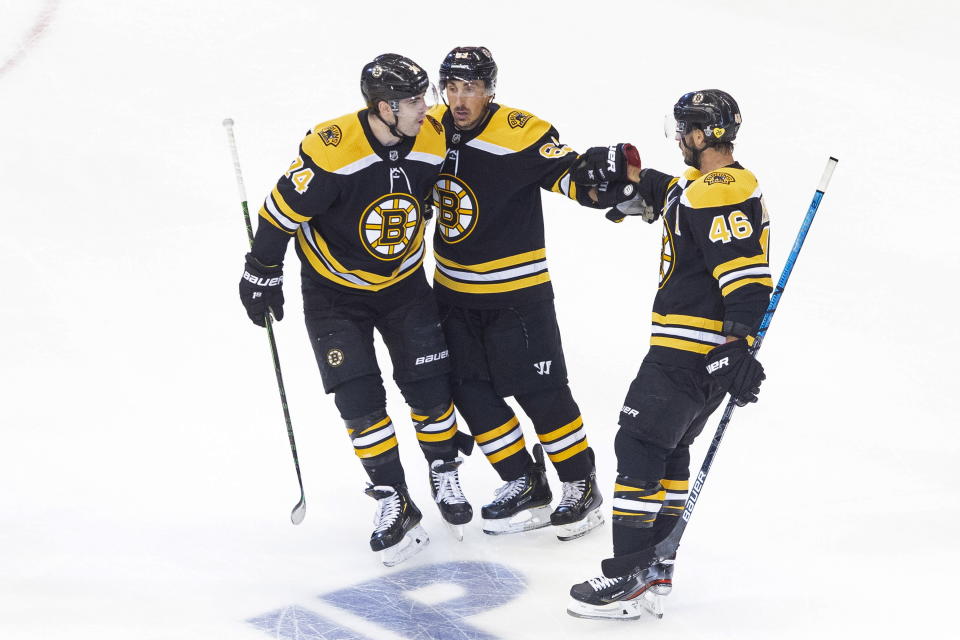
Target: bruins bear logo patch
<point>517,119</point>
<point>331,136</point>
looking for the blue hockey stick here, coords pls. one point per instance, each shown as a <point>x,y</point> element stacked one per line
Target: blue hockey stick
<point>623,565</point>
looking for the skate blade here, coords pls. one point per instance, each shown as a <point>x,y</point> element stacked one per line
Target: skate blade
<point>526,520</point>
<point>580,528</point>
<point>652,603</point>
<point>625,610</point>
<point>456,530</point>
<point>412,544</point>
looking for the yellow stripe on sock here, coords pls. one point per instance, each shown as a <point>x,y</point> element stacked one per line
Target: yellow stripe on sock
<point>437,437</point>
<point>568,452</point>
<point>493,434</point>
<point>556,434</point>
<point>507,452</point>
<point>377,449</point>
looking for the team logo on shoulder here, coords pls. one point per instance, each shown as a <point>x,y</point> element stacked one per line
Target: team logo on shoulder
<point>436,125</point>
<point>388,225</point>
<point>517,119</point>
<point>718,177</point>
<point>667,253</point>
<point>331,135</point>
<point>335,357</point>
<point>458,208</point>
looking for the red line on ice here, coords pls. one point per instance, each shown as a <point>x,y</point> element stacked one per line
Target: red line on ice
<point>43,21</point>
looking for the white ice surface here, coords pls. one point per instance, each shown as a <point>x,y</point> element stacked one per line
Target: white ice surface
<point>145,475</point>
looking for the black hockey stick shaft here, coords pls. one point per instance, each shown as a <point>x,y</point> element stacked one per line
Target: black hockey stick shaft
<point>622,565</point>
<point>300,510</point>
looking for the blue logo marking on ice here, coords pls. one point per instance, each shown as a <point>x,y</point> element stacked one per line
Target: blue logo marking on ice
<point>426,603</point>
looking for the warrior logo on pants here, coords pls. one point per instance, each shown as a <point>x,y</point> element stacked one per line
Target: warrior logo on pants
<point>458,208</point>
<point>388,225</point>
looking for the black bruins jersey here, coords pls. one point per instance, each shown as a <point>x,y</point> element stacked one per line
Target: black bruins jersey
<point>354,205</point>
<point>714,272</point>
<point>489,240</point>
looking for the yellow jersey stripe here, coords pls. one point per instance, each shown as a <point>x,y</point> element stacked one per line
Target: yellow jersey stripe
<point>269,218</point>
<point>688,321</point>
<point>684,345</point>
<point>733,286</point>
<point>738,263</point>
<point>483,267</point>
<point>562,431</point>
<point>675,485</point>
<point>507,452</point>
<point>285,208</point>
<point>568,452</point>
<point>321,268</point>
<point>377,449</point>
<point>493,434</point>
<point>501,287</point>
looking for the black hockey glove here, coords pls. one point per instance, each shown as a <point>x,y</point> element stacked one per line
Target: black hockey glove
<point>604,164</point>
<point>635,206</point>
<point>261,288</point>
<point>737,370</point>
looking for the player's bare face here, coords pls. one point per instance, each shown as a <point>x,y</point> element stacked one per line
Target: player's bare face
<point>410,115</point>
<point>468,100</point>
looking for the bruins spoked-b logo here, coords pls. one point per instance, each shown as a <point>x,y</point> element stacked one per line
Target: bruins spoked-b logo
<point>335,357</point>
<point>666,255</point>
<point>458,208</point>
<point>516,119</point>
<point>331,135</point>
<point>388,225</point>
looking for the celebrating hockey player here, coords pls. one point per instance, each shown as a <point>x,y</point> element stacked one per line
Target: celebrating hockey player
<point>352,198</point>
<point>714,289</point>
<point>496,299</point>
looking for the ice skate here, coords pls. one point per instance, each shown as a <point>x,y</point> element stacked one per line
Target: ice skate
<point>522,504</point>
<point>397,533</point>
<point>445,487</point>
<point>624,598</point>
<point>578,511</point>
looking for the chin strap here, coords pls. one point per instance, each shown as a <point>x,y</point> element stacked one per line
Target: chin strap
<point>695,159</point>
<point>392,127</point>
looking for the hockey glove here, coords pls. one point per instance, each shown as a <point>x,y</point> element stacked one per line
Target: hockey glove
<point>261,289</point>
<point>737,370</point>
<point>610,194</point>
<point>636,206</point>
<point>604,164</point>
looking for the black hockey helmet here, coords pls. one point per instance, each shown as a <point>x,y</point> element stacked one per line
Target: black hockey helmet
<point>469,63</point>
<point>392,77</point>
<point>712,110</point>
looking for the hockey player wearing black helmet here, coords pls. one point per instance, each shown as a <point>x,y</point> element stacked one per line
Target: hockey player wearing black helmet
<point>353,199</point>
<point>398,93</point>
<point>496,297</point>
<point>715,285</point>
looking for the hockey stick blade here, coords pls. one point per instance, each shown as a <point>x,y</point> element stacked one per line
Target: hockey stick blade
<point>638,560</point>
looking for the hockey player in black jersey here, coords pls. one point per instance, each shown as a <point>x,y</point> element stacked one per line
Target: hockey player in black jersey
<point>352,198</point>
<point>496,298</point>
<point>714,288</point>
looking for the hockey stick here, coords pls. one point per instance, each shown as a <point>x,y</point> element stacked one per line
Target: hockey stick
<point>300,510</point>
<point>623,565</point>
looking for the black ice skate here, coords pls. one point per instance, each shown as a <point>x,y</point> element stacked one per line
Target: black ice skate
<point>445,487</point>
<point>522,504</point>
<point>397,533</point>
<point>624,598</point>
<point>578,511</point>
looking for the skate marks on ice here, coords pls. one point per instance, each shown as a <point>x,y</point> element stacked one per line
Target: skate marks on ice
<point>426,603</point>
<point>29,37</point>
